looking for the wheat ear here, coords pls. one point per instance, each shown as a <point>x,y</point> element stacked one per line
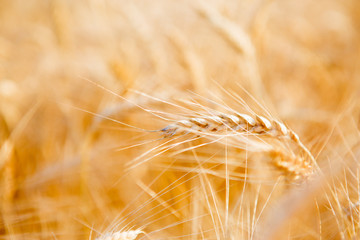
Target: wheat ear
<point>235,122</point>
<point>257,126</point>
<point>126,235</point>
<point>293,167</point>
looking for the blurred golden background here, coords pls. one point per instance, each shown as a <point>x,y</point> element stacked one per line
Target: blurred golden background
<point>70,69</point>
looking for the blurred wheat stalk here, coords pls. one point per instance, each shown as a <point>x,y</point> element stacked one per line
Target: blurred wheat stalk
<point>82,82</point>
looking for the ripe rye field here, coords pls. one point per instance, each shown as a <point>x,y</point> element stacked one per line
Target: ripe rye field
<point>224,120</point>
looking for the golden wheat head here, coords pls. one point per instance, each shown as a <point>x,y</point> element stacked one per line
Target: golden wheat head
<point>294,166</point>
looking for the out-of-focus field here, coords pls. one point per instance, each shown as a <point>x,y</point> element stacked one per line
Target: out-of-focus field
<point>82,81</point>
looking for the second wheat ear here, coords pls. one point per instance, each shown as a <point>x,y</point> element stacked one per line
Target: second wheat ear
<point>253,126</point>
<point>121,235</point>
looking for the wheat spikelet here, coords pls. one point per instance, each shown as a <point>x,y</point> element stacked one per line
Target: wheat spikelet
<point>127,235</point>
